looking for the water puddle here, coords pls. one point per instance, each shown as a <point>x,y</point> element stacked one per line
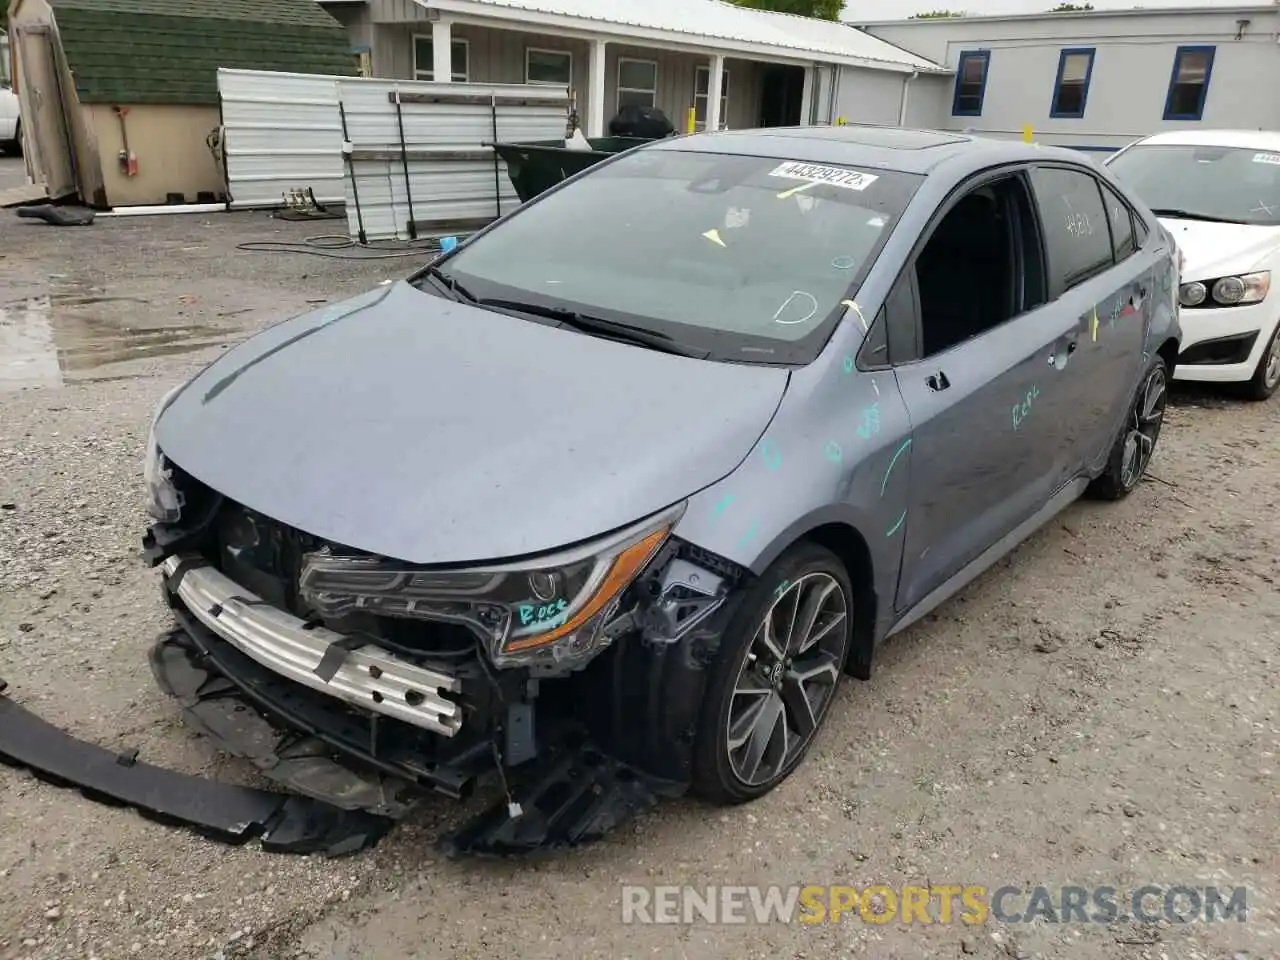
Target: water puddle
<point>46,342</point>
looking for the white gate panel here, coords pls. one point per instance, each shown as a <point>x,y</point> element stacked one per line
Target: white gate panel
<point>281,132</point>
<point>440,134</point>
<point>415,159</point>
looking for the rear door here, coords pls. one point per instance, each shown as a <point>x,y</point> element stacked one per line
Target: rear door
<point>1096,278</point>
<point>987,410</point>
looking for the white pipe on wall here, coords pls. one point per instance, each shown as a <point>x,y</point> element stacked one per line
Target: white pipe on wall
<point>164,208</point>
<point>906,89</point>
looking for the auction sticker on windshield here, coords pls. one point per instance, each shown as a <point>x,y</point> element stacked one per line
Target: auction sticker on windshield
<point>819,173</point>
<point>1266,158</point>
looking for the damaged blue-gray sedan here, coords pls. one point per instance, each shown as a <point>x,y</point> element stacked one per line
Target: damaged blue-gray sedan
<point>603,504</point>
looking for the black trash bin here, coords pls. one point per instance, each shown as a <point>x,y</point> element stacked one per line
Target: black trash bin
<point>538,165</point>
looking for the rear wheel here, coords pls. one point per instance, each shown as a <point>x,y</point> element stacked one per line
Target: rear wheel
<point>1267,377</point>
<point>1136,444</point>
<point>775,676</point>
<point>15,147</point>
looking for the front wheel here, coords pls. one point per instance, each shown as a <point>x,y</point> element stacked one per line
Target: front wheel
<point>1267,377</point>
<point>1133,449</point>
<point>775,676</point>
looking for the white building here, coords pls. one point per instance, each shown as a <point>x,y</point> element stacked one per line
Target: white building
<point>1099,79</point>
<point>735,67</point>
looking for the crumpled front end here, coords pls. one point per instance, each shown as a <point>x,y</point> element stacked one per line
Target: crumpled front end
<point>367,683</point>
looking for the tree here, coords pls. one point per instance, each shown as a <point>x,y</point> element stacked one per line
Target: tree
<point>1072,8</point>
<point>937,15</point>
<point>821,9</point>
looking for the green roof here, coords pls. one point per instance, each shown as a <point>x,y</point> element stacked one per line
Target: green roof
<point>169,51</point>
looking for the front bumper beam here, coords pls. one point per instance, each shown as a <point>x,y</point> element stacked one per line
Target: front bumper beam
<point>291,734</point>
<point>334,664</point>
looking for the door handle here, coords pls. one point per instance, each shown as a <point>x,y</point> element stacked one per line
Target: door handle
<point>938,381</point>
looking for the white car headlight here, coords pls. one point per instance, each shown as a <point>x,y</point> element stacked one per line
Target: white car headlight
<point>164,500</point>
<point>549,610</point>
<point>1232,291</point>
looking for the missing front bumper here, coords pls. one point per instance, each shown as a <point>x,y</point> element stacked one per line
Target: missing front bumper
<point>251,676</point>
<point>332,663</point>
<point>302,739</point>
<point>221,811</point>
<point>573,796</point>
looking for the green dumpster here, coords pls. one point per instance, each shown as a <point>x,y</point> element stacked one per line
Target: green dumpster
<point>538,165</point>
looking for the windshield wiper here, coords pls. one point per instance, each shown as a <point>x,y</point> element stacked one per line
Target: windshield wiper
<point>450,284</point>
<point>1190,215</point>
<point>611,329</point>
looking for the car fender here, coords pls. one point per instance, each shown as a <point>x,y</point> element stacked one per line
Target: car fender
<point>837,453</point>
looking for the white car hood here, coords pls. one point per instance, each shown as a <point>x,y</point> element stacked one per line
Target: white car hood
<point>1221,249</point>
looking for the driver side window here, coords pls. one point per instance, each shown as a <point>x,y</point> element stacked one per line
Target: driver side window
<point>981,267</point>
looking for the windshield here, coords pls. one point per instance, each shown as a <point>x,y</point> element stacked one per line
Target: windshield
<point>742,258</point>
<point>1221,183</point>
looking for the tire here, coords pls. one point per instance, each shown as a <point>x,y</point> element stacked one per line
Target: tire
<point>1267,377</point>
<point>1131,454</point>
<point>806,574</point>
<point>15,145</point>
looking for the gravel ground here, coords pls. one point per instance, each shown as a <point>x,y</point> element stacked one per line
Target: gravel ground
<point>13,172</point>
<point>1098,710</point>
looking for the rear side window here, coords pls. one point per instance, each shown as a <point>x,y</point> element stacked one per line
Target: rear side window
<point>1121,219</point>
<point>1076,235</point>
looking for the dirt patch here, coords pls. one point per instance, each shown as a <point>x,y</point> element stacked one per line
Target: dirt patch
<point>1100,709</point>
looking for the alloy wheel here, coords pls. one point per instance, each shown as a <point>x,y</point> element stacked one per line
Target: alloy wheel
<point>1271,372</point>
<point>787,678</point>
<point>1144,427</point>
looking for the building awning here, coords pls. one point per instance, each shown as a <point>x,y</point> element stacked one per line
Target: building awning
<point>711,24</point>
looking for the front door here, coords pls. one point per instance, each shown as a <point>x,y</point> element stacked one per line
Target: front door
<point>781,95</point>
<point>41,96</point>
<point>987,407</point>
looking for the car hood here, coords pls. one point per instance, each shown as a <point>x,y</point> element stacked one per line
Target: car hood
<point>436,432</point>
<point>1220,249</point>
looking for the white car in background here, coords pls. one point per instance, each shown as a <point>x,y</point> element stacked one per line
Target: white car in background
<point>1218,193</point>
<point>10,121</point>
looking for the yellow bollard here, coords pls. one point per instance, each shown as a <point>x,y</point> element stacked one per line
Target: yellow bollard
<point>691,121</point>
<point>1027,133</point>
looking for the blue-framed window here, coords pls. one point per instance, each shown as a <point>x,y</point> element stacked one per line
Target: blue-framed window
<point>1071,88</point>
<point>1189,83</point>
<point>971,83</point>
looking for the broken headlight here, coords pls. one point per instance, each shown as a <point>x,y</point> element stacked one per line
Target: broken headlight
<point>164,500</point>
<point>550,609</point>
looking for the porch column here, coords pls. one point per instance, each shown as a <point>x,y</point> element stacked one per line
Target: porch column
<point>715,88</point>
<point>595,89</point>
<point>441,51</point>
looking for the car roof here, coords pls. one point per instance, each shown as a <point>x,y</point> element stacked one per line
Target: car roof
<point>1249,139</point>
<point>885,148</point>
